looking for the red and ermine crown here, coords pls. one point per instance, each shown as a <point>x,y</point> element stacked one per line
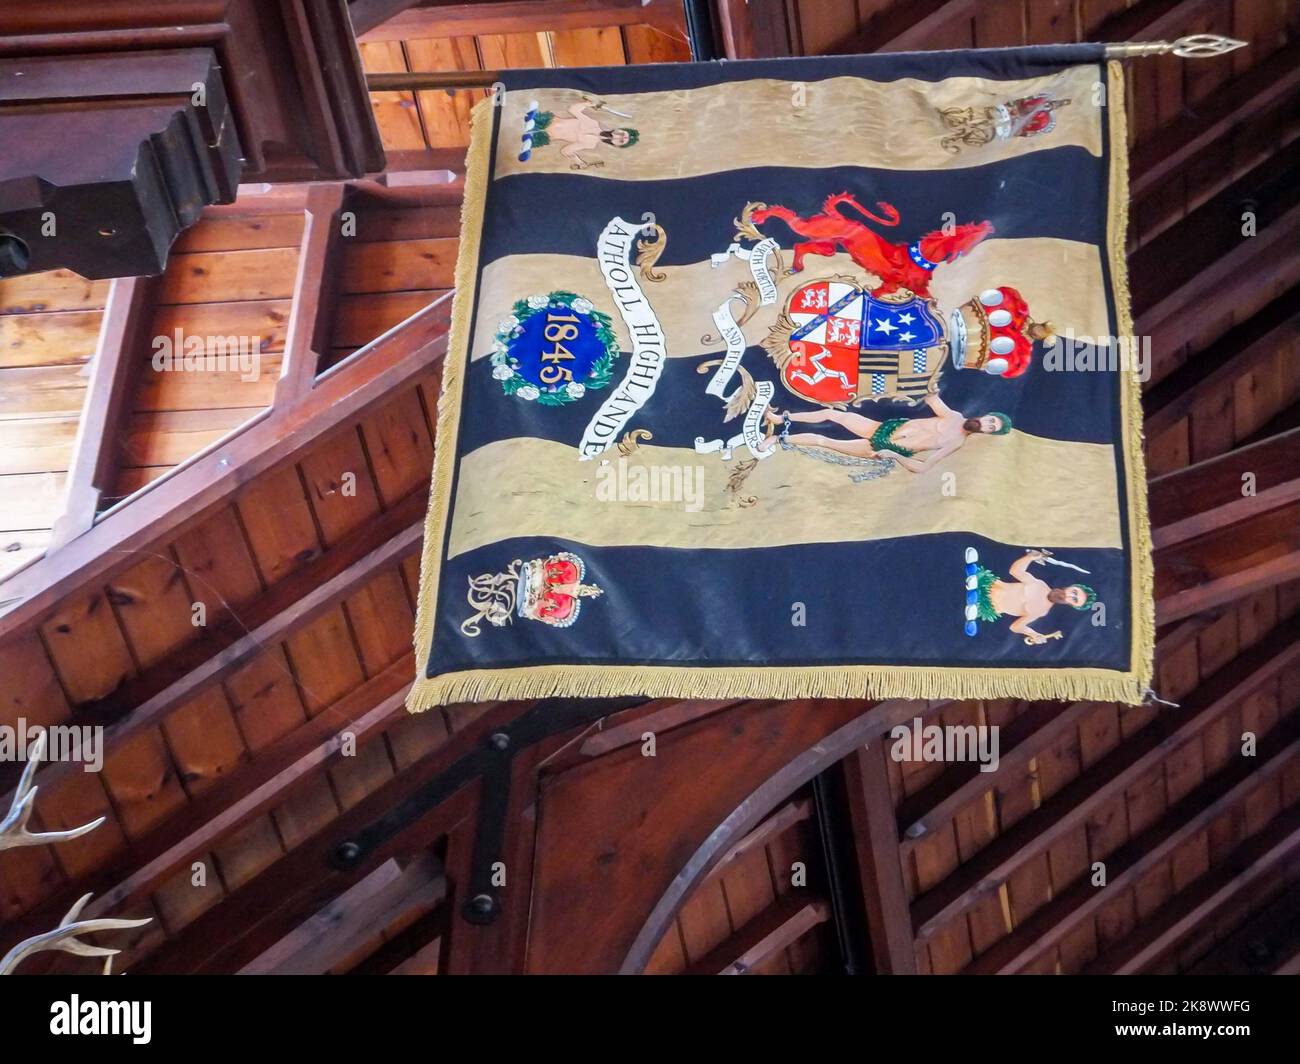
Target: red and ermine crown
<point>1006,331</point>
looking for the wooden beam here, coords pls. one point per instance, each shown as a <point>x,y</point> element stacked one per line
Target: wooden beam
<point>356,919</point>
<point>114,371</point>
<point>1034,731</point>
<point>313,295</point>
<point>1074,803</point>
<point>459,20</point>
<point>903,27</point>
<point>1268,942</point>
<point>1037,729</point>
<point>262,610</point>
<point>275,901</point>
<point>1228,563</point>
<point>1167,151</point>
<point>499,948</point>
<point>772,930</point>
<point>1152,20</point>
<point>352,389</point>
<point>774,826</point>
<point>1232,488</point>
<point>1259,857</point>
<point>736,27</point>
<point>1246,347</point>
<point>1290,962</point>
<point>880,870</point>
<point>253,642</point>
<point>1285,421</point>
<point>1184,277</point>
<point>660,716</point>
<point>256,787</point>
<point>367,15</point>
<point>1052,923</point>
<point>426,159</point>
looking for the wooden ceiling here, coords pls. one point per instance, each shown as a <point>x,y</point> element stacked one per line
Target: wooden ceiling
<point>291,507</point>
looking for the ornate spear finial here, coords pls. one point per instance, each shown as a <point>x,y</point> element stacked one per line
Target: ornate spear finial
<point>1196,46</point>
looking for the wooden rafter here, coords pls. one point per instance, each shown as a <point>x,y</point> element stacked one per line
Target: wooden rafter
<point>1078,800</point>
<point>1260,856</point>
<point>355,919</point>
<point>1268,942</point>
<point>771,931</point>
<point>512,16</point>
<point>367,15</point>
<point>1194,813</point>
<point>114,370</point>
<point>313,294</point>
<point>1245,483</point>
<point>258,786</point>
<point>1184,278</point>
<point>1165,153</point>
<point>351,389</point>
<point>1152,20</point>
<point>1230,562</point>
<point>253,642</point>
<point>875,834</point>
<point>1243,349</point>
<point>903,27</point>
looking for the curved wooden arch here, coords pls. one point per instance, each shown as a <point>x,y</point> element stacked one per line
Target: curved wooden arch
<point>623,840</point>
<point>743,819</point>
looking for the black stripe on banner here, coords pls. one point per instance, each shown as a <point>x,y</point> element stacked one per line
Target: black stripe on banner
<point>1053,193</point>
<point>902,600</point>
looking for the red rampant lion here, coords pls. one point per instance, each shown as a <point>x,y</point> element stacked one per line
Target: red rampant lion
<point>897,265</point>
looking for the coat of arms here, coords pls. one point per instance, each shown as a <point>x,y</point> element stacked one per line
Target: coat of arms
<point>839,343</point>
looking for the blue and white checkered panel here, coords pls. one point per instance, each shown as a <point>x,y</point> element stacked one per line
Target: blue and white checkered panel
<point>877,383</point>
<point>918,362</point>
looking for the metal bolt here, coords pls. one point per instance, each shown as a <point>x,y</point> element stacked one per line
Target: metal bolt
<point>499,740</point>
<point>482,904</point>
<point>14,254</point>
<point>348,852</point>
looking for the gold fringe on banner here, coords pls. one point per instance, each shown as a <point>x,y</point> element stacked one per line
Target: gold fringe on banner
<point>776,681</point>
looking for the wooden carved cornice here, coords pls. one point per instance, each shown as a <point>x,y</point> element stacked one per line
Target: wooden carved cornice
<point>121,121</point>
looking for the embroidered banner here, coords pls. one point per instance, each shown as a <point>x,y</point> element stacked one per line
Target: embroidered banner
<point>757,387</point>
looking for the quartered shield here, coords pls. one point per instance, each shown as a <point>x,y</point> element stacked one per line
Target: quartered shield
<point>849,346</point>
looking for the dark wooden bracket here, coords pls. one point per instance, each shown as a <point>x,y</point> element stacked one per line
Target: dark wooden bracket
<point>489,762</point>
<point>107,158</point>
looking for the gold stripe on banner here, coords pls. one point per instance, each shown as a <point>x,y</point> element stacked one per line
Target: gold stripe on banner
<point>784,682</point>
<point>1014,489</point>
<point>844,121</point>
<point>1061,280</point>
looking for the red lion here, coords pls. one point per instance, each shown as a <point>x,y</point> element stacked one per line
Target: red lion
<point>897,265</point>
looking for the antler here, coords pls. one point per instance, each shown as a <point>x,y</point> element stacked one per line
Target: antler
<point>64,938</point>
<point>13,828</point>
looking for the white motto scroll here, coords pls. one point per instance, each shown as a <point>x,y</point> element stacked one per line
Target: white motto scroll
<point>733,336</point>
<point>614,252</point>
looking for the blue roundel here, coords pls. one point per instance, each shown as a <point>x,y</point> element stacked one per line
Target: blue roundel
<point>558,346</point>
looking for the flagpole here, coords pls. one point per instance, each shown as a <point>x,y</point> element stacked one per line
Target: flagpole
<point>1197,46</point>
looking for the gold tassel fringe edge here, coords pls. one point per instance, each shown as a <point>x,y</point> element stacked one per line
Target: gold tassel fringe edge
<point>777,682</point>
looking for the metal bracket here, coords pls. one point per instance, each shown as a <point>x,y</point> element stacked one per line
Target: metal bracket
<point>493,761</point>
